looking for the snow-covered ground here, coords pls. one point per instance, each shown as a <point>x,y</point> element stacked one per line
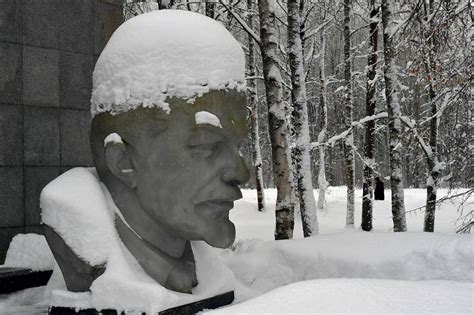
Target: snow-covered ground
<point>341,270</point>
<point>348,270</point>
<point>361,296</point>
<point>252,224</point>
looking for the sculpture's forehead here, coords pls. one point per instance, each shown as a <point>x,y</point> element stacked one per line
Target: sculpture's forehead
<point>224,112</point>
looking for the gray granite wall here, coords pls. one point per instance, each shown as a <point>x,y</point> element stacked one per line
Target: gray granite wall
<point>48,49</point>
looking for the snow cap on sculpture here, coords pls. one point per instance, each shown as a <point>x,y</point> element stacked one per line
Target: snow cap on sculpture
<point>166,53</point>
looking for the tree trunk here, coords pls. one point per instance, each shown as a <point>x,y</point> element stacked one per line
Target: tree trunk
<point>348,108</point>
<point>394,123</point>
<point>433,167</point>
<point>162,5</point>
<point>300,120</point>
<point>323,117</point>
<point>210,9</point>
<point>370,126</point>
<point>431,186</point>
<point>432,161</point>
<point>284,210</point>
<point>253,104</point>
<point>471,100</point>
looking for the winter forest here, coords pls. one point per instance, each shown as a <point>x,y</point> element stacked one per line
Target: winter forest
<point>360,151</point>
<point>341,92</point>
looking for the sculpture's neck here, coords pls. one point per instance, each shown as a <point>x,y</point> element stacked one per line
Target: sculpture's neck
<point>129,209</point>
<point>177,274</point>
<point>165,258</point>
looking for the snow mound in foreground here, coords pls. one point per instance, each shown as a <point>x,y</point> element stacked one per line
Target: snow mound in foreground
<point>165,53</point>
<point>262,266</point>
<point>361,296</point>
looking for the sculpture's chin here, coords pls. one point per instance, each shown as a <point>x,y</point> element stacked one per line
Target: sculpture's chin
<point>220,243</point>
<point>223,238</point>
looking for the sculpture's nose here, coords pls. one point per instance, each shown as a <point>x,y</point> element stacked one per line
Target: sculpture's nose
<point>237,173</point>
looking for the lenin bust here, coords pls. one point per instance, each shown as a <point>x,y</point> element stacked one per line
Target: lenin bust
<point>168,117</point>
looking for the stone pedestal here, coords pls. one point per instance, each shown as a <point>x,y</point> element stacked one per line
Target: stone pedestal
<point>191,308</point>
<point>15,279</point>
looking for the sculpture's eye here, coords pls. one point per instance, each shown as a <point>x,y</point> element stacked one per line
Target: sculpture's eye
<point>204,150</point>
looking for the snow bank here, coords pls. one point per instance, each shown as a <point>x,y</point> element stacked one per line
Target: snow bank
<point>162,54</point>
<point>262,266</point>
<point>361,296</point>
<point>29,251</point>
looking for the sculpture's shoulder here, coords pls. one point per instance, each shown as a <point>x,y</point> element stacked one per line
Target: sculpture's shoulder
<point>74,205</point>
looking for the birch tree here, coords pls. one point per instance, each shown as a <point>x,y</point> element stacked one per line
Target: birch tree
<point>394,122</point>
<point>348,109</point>
<point>437,32</point>
<point>284,209</point>
<point>370,126</point>
<point>253,104</point>
<point>323,118</point>
<point>432,159</point>
<point>300,122</point>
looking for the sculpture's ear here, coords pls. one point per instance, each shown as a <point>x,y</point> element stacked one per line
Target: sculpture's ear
<point>119,162</point>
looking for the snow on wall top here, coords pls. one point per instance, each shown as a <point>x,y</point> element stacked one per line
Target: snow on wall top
<point>29,251</point>
<point>163,54</point>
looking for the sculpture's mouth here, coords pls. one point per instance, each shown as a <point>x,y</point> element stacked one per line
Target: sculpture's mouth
<point>218,207</point>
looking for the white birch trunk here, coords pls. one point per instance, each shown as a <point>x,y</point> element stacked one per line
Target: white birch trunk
<point>394,123</point>
<point>284,210</point>
<point>253,104</point>
<point>348,109</point>
<point>432,160</point>
<point>300,122</point>
<point>322,136</point>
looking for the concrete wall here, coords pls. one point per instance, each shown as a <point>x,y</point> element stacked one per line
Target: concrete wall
<point>48,49</point>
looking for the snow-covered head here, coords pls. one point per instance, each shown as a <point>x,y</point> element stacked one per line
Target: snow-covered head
<point>169,164</point>
<point>164,54</point>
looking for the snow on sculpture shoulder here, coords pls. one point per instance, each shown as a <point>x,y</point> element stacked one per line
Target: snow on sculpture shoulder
<point>71,204</point>
<point>161,54</point>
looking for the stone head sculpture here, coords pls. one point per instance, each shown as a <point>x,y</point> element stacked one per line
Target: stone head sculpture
<point>168,117</point>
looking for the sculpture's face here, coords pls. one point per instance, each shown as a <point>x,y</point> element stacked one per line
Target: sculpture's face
<point>188,173</point>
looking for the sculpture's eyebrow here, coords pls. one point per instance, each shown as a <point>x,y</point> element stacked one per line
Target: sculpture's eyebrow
<point>207,118</point>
